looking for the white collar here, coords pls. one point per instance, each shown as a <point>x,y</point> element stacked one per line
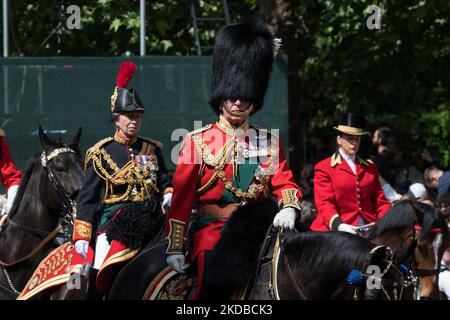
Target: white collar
<point>346,156</point>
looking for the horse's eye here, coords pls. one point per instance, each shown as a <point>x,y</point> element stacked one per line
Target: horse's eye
<point>59,169</point>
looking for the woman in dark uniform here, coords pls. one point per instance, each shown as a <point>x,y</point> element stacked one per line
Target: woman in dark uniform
<point>119,171</point>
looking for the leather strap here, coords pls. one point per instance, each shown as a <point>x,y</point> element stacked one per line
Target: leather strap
<point>35,250</point>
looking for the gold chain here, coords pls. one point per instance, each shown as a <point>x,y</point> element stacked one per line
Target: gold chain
<point>219,161</point>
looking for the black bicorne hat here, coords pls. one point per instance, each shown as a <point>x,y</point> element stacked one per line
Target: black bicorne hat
<point>352,124</point>
<point>242,63</point>
<point>123,99</point>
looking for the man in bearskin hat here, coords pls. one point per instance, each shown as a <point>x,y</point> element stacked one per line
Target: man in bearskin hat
<point>123,174</point>
<point>227,165</point>
<point>347,191</point>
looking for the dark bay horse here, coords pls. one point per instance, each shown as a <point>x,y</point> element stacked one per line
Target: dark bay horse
<point>411,223</point>
<point>309,265</point>
<point>45,198</point>
<point>316,266</point>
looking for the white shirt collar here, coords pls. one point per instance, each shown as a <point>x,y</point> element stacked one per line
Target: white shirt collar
<point>349,159</point>
<point>346,156</point>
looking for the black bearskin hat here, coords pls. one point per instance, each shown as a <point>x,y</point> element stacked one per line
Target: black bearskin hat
<point>242,62</point>
<point>123,99</point>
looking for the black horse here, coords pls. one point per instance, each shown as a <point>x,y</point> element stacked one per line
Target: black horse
<point>308,265</point>
<point>418,225</point>
<point>45,198</point>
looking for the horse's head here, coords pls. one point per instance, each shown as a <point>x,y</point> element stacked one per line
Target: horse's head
<point>432,239</point>
<point>395,229</point>
<point>409,222</point>
<point>383,279</point>
<point>61,162</point>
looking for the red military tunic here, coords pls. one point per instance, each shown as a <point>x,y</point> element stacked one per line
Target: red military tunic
<point>338,192</point>
<point>193,178</point>
<point>9,174</point>
<point>204,175</point>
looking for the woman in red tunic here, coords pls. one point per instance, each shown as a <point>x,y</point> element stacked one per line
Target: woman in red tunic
<point>347,192</point>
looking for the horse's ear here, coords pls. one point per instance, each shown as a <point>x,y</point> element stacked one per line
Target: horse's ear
<point>45,140</point>
<point>75,139</point>
<point>418,209</point>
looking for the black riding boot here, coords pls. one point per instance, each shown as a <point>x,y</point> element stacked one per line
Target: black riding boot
<point>92,292</point>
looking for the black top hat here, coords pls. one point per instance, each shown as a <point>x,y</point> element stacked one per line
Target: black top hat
<point>352,124</point>
<point>123,99</point>
<point>242,63</point>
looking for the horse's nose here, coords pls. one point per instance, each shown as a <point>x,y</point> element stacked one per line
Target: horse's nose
<point>74,194</point>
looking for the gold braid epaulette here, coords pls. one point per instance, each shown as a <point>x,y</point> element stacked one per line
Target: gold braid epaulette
<point>190,134</point>
<point>2,133</point>
<point>152,141</point>
<point>95,150</point>
<point>202,149</point>
<point>219,161</point>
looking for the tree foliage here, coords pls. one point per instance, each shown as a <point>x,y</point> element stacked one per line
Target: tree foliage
<point>398,75</point>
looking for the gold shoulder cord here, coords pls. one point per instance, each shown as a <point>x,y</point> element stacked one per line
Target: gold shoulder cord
<point>218,161</point>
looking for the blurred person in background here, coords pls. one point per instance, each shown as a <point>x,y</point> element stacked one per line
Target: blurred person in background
<point>9,174</point>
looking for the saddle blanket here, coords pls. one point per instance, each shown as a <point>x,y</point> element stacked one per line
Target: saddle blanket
<point>55,269</point>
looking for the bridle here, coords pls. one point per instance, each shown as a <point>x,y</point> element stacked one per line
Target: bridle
<point>66,216</point>
<point>69,205</point>
<point>279,253</point>
<point>379,279</point>
<point>420,272</point>
<point>416,273</point>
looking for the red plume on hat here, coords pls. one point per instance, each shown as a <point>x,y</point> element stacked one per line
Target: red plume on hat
<point>123,99</point>
<point>126,72</point>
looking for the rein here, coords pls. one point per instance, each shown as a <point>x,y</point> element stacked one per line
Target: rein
<point>35,250</point>
<point>272,285</point>
<point>294,282</point>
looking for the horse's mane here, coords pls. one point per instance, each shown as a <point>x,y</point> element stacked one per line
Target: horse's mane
<point>327,250</point>
<point>401,216</point>
<point>26,175</point>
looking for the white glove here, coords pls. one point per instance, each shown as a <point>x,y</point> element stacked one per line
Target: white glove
<point>344,227</point>
<point>11,195</point>
<point>285,218</point>
<point>81,247</point>
<point>167,200</point>
<point>176,261</point>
